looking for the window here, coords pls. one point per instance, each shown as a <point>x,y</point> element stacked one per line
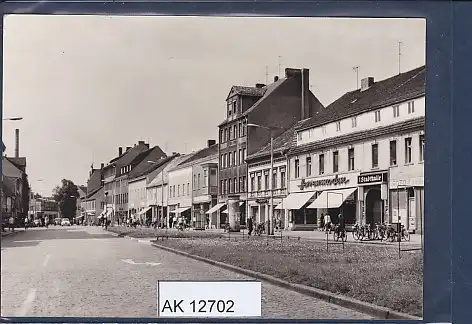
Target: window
<point>411,107</point>
<point>205,178</point>
<point>244,155</point>
<point>408,150</point>
<point>226,134</point>
<point>240,129</point>
<point>253,184</point>
<point>244,128</point>
<point>240,156</point>
<point>321,163</point>
<point>235,185</point>
<point>335,161</point>
<point>221,136</point>
<point>274,180</point>
<point>377,116</point>
<point>221,186</point>
<point>266,182</point>
<point>243,188</point>
<point>396,111</point>
<point>229,110</point>
<point>375,155</point>
<point>199,181</point>
<point>297,168</point>
<point>234,107</point>
<point>308,166</point>
<point>228,162</point>
<point>354,122</point>
<point>225,187</point>
<point>393,153</point>
<point>259,182</point>
<point>421,148</point>
<point>235,131</point>
<point>178,191</point>
<point>300,137</point>
<point>323,130</point>
<point>194,181</point>
<point>282,179</point>
<point>230,133</point>
<point>222,163</point>
<point>230,182</point>
<point>350,159</point>
<point>338,126</point>
<point>234,158</point>
<point>183,189</point>
<point>241,184</point>
<point>188,188</point>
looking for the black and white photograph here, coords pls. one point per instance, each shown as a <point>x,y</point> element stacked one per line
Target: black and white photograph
<point>142,152</point>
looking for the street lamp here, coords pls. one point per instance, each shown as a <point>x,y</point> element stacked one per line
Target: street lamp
<point>270,230</point>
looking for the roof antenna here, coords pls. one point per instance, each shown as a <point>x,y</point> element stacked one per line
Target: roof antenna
<point>399,57</point>
<point>356,68</point>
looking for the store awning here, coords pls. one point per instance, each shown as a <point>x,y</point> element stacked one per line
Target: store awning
<point>295,200</point>
<point>144,211</point>
<point>215,208</point>
<point>183,209</point>
<point>332,198</point>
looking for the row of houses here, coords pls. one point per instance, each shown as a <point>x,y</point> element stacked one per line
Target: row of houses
<point>361,156</point>
<point>14,191</point>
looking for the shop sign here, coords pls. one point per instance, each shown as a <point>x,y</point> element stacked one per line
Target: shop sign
<point>334,181</point>
<point>372,178</point>
<point>262,201</point>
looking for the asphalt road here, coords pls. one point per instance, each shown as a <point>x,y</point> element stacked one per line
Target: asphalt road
<point>86,272</point>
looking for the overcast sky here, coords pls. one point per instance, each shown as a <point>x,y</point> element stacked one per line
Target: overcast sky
<point>86,85</point>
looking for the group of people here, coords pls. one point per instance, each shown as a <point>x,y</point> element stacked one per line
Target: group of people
<point>252,226</point>
<point>327,224</point>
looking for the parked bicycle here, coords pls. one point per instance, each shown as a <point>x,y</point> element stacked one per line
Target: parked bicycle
<point>362,232</point>
<point>380,232</point>
<point>404,234</point>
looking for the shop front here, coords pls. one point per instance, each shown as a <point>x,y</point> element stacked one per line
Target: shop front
<point>406,187</point>
<point>310,198</point>
<point>373,197</point>
<point>200,218</point>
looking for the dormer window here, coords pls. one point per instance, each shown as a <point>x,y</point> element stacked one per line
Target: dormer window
<point>338,126</point>
<point>377,116</point>
<point>411,107</point>
<point>354,122</point>
<point>234,107</point>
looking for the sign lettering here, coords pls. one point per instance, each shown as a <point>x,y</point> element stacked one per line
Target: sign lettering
<point>337,180</point>
<point>372,178</point>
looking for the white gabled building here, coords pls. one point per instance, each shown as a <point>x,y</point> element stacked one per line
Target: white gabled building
<point>363,156</point>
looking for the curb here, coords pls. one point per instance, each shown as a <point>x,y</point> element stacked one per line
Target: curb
<point>347,302</point>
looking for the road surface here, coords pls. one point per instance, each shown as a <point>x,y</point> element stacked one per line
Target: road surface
<point>87,272</point>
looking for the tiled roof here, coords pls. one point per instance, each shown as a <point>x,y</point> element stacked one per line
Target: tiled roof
<point>8,186</point>
<point>360,136</point>
<point>128,157</point>
<point>268,90</point>
<point>281,144</point>
<point>94,193</point>
<point>401,87</point>
<point>247,91</point>
<point>199,155</point>
<point>144,167</point>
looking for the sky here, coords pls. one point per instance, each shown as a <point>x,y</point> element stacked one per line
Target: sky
<point>86,85</point>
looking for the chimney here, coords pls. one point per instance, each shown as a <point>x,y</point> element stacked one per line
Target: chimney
<point>276,78</point>
<point>260,85</point>
<point>140,142</point>
<point>306,109</point>
<point>120,151</point>
<point>103,165</point>
<point>147,145</point>
<point>366,83</point>
<point>174,153</point>
<point>290,73</point>
<point>17,142</point>
<point>128,148</point>
<point>211,143</point>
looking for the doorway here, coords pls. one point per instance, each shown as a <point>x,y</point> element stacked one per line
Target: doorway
<point>374,207</point>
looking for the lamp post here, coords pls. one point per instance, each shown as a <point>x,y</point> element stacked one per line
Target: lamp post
<point>271,176</point>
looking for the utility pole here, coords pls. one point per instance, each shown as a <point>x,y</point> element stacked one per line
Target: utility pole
<point>399,56</point>
<point>356,68</point>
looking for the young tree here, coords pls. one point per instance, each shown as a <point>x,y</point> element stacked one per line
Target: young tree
<point>66,196</point>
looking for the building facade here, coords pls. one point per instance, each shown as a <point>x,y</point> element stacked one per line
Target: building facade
<point>180,194</point>
<point>44,208</point>
<point>93,191</point>
<point>363,157</point>
<point>278,106</point>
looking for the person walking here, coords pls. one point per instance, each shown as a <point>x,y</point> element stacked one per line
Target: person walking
<point>11,223</point>
<point>26,223</point>
<point>250,225</point>
<point>327,223</point>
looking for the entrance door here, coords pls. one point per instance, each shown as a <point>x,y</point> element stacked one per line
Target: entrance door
<point>374,207</point>
<point>262,212</point>
<point>411,215</point>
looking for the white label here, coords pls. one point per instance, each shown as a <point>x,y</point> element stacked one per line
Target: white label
<point>209,299</point>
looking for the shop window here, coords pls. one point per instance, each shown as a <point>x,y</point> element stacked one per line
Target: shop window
<point>375,155</point>
<point>408,150</point>
<point>393,153</point>
<point>335,161</point>
<point>350,154</point>
<point>297,169</point>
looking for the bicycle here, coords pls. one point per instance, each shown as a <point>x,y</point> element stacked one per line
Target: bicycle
<point>339,233</point>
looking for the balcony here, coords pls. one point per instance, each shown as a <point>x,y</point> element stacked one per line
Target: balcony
<point>279,192</point>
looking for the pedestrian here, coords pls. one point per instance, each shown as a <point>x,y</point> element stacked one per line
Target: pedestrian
<point>46,222</point>
<point>250,225</point>
<point>12,224</point>
<point>207,222</point>
<point>26,223</point>
<point>327,222</point>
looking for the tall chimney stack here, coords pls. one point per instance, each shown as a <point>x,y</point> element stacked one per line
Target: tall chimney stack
<point>17,142</point>
<point>120,151</point>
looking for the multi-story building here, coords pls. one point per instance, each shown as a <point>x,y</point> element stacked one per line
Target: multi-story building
<point>80,212</point>
<point>93,203</point>
<point>276,106</point>
<point>363,156</point>
<point>16,188</point>
<point>44,208</point>
<point>138,178</point>
<point>259,191</point>
<point>158,190</point>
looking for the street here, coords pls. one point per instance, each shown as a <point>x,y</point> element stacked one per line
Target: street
<point>87,272</point>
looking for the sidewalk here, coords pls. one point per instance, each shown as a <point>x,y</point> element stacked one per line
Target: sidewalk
<point>415,239</point>
<point>8,232</point>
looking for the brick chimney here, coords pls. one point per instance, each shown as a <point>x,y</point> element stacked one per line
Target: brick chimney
<point>366,83</point>
<point>17,142</point>
<point>211,143</point>
<point>306,109</point>
<point>120,151</point>
<point>140,142</point>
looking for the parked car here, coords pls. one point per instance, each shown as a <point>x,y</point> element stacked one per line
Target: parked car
<point>37,222</point>
<point>57,221</point>
<point>65,222</point>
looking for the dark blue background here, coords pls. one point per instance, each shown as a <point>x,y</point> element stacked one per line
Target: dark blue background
<point>448,220</point>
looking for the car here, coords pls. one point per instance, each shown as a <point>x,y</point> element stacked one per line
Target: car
<point>65,222</point>
<point>57,221</point>
<point>37,222</point>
